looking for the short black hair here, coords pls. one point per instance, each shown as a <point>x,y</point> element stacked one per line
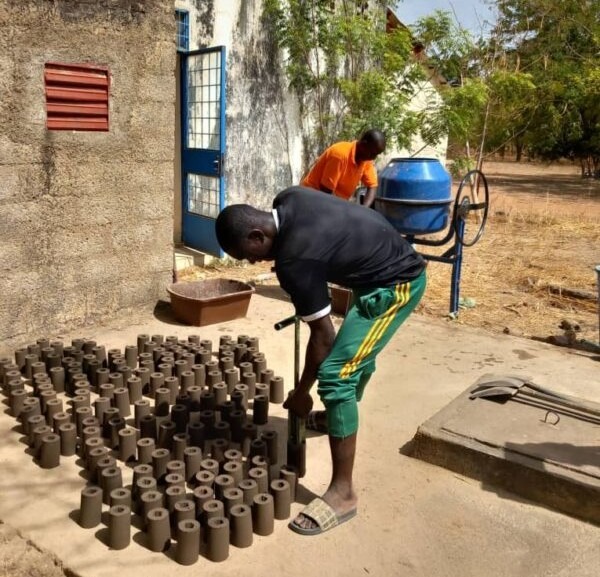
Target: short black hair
<point>234,224</point>
<point>373,136</point>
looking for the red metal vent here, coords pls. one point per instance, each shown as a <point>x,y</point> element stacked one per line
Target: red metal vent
<point>76,96</point>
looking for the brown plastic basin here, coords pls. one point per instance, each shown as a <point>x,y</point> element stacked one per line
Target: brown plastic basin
<point>206,302</point>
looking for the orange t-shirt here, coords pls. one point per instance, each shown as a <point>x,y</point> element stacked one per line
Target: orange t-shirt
<point>337,170</point>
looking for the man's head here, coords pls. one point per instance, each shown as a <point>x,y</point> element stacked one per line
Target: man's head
<point>245,232</point>
<point>370,145</point>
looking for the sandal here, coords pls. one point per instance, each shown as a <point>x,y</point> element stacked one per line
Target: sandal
<point>323,515</point>
<point>313,424</point>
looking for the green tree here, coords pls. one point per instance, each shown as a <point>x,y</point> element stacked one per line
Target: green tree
<point>347,71</point>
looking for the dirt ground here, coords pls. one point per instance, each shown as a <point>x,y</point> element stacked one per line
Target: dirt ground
<point>543,230</point>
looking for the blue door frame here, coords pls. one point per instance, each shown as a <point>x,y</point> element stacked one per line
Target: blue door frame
<point>202,146</point>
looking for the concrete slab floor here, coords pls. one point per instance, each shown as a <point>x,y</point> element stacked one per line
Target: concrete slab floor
<point>414,519</point>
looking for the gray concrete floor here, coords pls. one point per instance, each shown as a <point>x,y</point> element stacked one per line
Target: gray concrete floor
<point>414,519</point>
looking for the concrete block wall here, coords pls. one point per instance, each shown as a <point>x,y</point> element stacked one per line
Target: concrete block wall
<point>86,218</point>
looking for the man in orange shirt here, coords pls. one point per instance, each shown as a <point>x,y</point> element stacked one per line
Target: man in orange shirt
<point>344,165</point>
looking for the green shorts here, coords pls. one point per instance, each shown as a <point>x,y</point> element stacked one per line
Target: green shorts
<point>374,316</point>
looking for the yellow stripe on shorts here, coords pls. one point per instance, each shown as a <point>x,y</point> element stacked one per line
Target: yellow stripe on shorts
<point>377,330</point>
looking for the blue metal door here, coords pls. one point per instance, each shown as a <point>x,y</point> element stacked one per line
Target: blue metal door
<point>203,146</point>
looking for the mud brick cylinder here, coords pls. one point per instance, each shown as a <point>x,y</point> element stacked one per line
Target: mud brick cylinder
<point>180,416</point>
<point>148,428</point>
<point>202,494</point>
<point>220,393</point>
<point>262,389</point>
<point>166,432</point>
<point>192,457</point>
<point>161,402</point>
<point>197,433</point>
<point>68,439</point>
<point>249,488</point>
<point>50,451</point>
<point>158,530</point>
<point>90,509</point>
<point>134,388</point>
<point>240,520</point>
<point>217,539</point>
<point>150,500</point>
<point>127,445</point>
<point>199,375</point>
<point>160,458</point>
<point>57,378</point>
<point>53,406</point>
<point>120,496</point>
<point>119,527</point>
<point>110,478</point>
<point>180,442</point>
<point>184,510</point>
<point>17,401</point>
<point>271,439</point>
<point>236,470</point>
<point>145,448</point>
<point>282,499</point>
<point>188,542</point>
<point>263,514</point>
<point>141,408</point>
<point>260,410</point>
<point>204,478</point>
<point>261,476</point>
<point>290,474</point>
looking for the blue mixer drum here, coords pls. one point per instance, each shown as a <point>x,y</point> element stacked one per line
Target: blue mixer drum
<point>415,195</point>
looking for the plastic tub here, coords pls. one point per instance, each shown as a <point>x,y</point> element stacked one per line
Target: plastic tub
<point>207,302</point>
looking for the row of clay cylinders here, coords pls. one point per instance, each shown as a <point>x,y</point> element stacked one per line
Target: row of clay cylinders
<point>233,517</point>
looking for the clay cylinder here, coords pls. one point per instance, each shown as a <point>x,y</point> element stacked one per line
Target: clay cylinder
<point>233,455</point>
<point>120,496</point>
<point>17,401</point>
<point>206,344</point>
<point>289,473</point>
<point>237,420</point>
<point>142,339</point>
<point>225,410</point>
<point>249,434</point>
<point>110,478</point>
<point>53,406</point>
<point>175,480</point>
<point>126,374</point>
<point>249,488</point>
<point>208,419</point>
<point>207,401</point>
<point>121,401</point>
<point>261,476</point>
<point>157,380</point>
<point>160,458</point>
<point>162,399</point>
<point>188,542</point>
<point>141,487</point>
<point>235,469</point>
<point>32,422</point>
<point>239,351</point>
<point>276,390</point>
<point>181,365</point>
<point>145,448</point>
<point>192,457</point>
<point>199,375</point>
<point>143,374</point>
<point>202,494</point>
<point>166,431</point>
<point>217,538</point>
<point>150,500</point>
<point>212,377</point>
<point>90,509</point>
<point>263,514</point>
<point>212,509</point>
<point>131,354</point>
<point>239,399</point>
<point>93,457</point>
<point>210,465</point>
<point>50,451</point>
<point>197,434</point>
<point>68,439</point>
<point>158,530</point>
<point>115,425</point>
<point>101,404</point>
<point>218,448</point>
<point>180,416</point>
<point>240,520</point>
<point>119,527</point>
<point>107,390</point>
<point>175,466</point>
<point>205,478</point>
<point>260,410</point>
<point>271,440</point>
<point>259,461</point>
<point>36,438</point>
<point>220,393</point>
<point>179,444</point>
<point>102,376</point>
<point>195,394</point>
<point>127,445</point>
<point>174,494</point>
<point>148,427</point>
<point>282,498</point>
<point>184,510</point>
<point>222,482</point>
<point>172,383</point>
<point>249,379</point>
<point>134,387</point>
<point>262,389</point>
<point>232,496</point>
<point>57,378</point>
<point>141,408</point>
<point>257,447</point>
<point>165,369</point>
<point>231,379</point>
<point>265,376</point>
<point>187,379</point>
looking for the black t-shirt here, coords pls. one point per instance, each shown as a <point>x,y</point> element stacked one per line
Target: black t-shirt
<point>322,238</point>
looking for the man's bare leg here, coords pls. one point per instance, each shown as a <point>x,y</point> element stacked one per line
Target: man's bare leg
<point>340,495</point>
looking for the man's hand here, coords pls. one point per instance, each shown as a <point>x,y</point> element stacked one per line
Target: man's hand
<point>299,402</point>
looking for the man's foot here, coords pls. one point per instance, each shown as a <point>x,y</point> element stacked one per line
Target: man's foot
<point>317,421</point>
<point>342,505</point>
